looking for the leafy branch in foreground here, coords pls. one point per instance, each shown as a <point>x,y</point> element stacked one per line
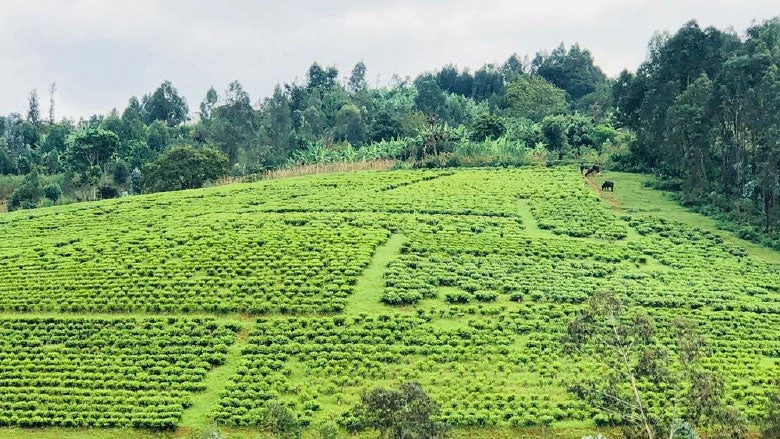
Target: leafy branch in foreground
<point>634,364</point>
<point>772,418</point>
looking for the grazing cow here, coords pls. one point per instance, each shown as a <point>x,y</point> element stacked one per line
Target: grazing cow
<point>593,169</point>
<point>582,168</point>
<point>608,184</point>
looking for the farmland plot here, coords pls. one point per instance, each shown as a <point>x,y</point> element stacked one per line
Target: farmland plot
<point>474,276</point>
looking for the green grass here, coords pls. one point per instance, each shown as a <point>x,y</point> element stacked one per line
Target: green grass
<point>632,197</point>
<point>368,289</point>
<point>199,414</point>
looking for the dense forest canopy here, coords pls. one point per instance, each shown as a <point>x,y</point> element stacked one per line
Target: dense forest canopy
<point>702,111</point>
<point>705,106</point>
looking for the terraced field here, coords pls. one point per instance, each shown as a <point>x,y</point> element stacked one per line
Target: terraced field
<point>170,311</point>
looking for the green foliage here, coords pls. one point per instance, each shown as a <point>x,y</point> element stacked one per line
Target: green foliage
<point>567,134</point>
<point>7,164</point>
<point>27,195</point>
<point>532,97</point>
<point>130,372</point>
<point>106,192</point>
<point>90,147</point>
<point>771,420</point>
<point>682,430</point>
<point>210,432</point>
<point>120,172</point>
<point>601,134</point>
<point>430,98</point>
<point>404,413</point>
<point>487,126</point>
<point>281,421</point>
<point>328,430</point>
<point>184,167</point>
<point>572,71</point>
<point>53,192</point>
<point>136,180</point>
<point>704,106</point>
<point>165,105</point>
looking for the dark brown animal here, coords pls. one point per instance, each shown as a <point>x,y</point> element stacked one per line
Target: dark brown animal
<point>593,169</point>
<point>608,184</point>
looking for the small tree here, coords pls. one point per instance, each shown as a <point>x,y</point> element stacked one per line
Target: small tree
<point>487,126</point>
<point>406,413</point>
<point>281,421</point>
<point>327,430</point>
<point>53,192</point>
<point>772,418</point>
<point>135,181</point>
<point>184,167</point>
<point>120,172</point>
<point>703,401</point>
<point>626,347</point>
<point>27,195</point>
<point>210,432</point>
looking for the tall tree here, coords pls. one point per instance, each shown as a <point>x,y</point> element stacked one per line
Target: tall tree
<point>691,133</point>
<point>52,90</point>
<point>323,79</point>
<point>350,125</point>
<point>33,108</point>
<point>514,67</point>
<point>165,105</point>
<point>488,82</point>
<point>208,104</point>
<point>430,98</point>
<point>357,79</point>
<point>573,71</point>
<point>533,98</point>
<point>233,123</point>
<point>277,125</point>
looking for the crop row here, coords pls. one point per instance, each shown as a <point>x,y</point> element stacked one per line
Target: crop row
<point>90,372</point>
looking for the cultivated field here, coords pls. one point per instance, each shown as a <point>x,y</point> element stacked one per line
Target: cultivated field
<point>173,310</point>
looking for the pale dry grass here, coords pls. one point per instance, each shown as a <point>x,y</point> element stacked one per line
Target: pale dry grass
<point>326,168</point>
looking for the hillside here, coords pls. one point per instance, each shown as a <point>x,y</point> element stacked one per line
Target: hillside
<point>173,309</point>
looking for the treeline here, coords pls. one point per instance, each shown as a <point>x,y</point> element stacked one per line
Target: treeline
<point>701,113</point>
<point>557,104</point>
<point>705,107</point>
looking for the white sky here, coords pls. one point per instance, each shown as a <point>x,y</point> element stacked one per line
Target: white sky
<point>100,52</point>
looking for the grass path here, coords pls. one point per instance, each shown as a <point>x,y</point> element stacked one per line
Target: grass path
<point>530,223</point>
<point>369,286</point>
<point>198,415</point>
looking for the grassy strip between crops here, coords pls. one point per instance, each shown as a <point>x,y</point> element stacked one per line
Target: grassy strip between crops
<point>198,415</point>
<point>370,284</point>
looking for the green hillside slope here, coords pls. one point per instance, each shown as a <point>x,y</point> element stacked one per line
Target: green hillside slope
<point>211,304</point>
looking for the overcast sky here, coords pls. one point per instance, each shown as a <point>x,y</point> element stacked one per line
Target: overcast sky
<point>100,52</point>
